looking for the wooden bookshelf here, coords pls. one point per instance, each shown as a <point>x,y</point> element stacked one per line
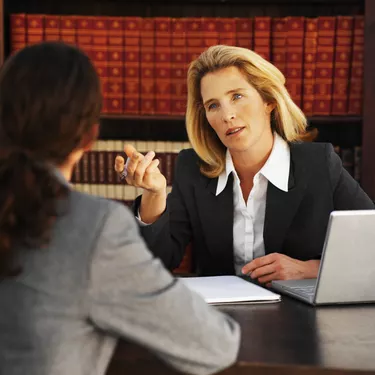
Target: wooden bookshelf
<point>346,129</point>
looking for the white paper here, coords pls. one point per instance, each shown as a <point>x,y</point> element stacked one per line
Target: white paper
<point>229,289</point>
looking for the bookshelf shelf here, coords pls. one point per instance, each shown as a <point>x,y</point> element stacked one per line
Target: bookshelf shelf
<point>163,127</point>
<point>315,120</point>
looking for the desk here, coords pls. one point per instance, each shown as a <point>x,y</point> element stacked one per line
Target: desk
<point>284,338</point>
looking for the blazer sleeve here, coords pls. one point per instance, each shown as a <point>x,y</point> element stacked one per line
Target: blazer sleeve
<point>347,193</point>
<point>133,296</point>
<point>168,237</point>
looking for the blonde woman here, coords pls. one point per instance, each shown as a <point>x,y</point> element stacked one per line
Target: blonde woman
<point>251,195</point>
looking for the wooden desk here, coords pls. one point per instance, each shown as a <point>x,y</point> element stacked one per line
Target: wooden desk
<point>284,338</point>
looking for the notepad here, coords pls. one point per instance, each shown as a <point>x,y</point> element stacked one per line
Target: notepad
<point>229,290</point>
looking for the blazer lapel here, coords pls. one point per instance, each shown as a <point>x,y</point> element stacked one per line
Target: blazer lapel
<point>216,215</point>
<point>281,206</point>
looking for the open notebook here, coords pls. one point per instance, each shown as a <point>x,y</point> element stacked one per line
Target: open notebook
<point>229,290</point>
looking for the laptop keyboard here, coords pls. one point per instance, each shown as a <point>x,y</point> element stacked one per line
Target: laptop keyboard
<point>307,290</point>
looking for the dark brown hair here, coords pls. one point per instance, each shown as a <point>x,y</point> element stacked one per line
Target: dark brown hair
<point>49,101</point>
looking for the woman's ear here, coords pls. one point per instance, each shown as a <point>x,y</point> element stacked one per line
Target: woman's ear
<point>270,107</point>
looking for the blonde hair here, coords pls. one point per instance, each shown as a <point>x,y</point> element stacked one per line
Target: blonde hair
<point>286,118</point>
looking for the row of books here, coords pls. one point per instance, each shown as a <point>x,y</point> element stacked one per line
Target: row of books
<point>97,166</point>
<point>143,62</point>
<point>95,173</point>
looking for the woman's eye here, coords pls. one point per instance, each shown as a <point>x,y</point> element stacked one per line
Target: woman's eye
<point>212,106</point>
<point>237,96</point>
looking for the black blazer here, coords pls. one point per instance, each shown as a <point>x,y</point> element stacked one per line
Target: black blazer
<point>295,221</point>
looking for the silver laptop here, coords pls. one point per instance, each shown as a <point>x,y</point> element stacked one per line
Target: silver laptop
<point>347,267</point>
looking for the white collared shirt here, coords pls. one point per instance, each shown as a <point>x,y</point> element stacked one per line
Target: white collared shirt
<point>249,217</point>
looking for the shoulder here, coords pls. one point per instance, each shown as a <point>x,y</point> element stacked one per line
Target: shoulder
<point>94,211</point>
<point>312,152</point>
<point>188,163</point>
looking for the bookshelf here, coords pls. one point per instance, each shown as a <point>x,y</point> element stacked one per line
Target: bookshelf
<point>343,130</point>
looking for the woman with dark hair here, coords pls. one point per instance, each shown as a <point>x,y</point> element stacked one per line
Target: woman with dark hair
<point>74,272</point>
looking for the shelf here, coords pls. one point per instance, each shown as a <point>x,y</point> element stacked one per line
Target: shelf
<point>312,120</point>
<point>334,120</point>
<point>172,128</point>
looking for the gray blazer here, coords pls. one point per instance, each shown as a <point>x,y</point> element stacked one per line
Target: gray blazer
<point>97,282</point>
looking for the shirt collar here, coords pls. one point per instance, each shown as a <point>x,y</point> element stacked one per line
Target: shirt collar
<point>275,170</point>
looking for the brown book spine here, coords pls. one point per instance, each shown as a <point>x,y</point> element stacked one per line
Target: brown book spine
<point>211,31</point>
<point>344,40</point>
<point>35,28</point>
<point>356,73</point>
<point>18,30</point>
<point>324,65</point>
<point>115,88</point>
<point>77,173</point>
<point>227,27</point>
<point>68,32</point>
<point>294,57</point>
<point>132,27</point>
<point>85,178</point>
<point>147,101</point>
<point>100,55</point>
<point>110,155</point>
<point>309,65</point>
<point>52,28</point>
<point>262,37</point>
<point>178,66</point>
<point>244,32</point>
<point>278,49</point>
<point>102,168</point>
<point>163,64</point>
<point>93,162</point>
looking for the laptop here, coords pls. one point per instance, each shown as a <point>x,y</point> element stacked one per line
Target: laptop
<point>347,268</point>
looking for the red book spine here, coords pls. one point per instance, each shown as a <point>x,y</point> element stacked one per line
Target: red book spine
<point>324,65</point>
<point>115,103</point>
<point>278,48</point>
<point>52,28</point>
<point>84,35</point>
<point>17,32</point>
<point>211,31</point>
<point>311,36</point>
<point>356,73</point>
<point>244,32</point>
<point>100,55</point>
<point>344,39</point>
<point>227,27</point>
<point>262,37</point>
<point>178,66</point>
<point>194,38</point>
<point>163,64</point>
<point>147,101</point>
<point>294,57</point>
<point>132,27</point>
<point>68,33</point>
<point>35,28</point>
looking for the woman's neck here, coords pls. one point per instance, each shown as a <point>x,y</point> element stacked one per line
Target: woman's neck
<point>250,162</point>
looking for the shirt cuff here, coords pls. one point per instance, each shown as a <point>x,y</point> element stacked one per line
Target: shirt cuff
<point>140,222</point>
